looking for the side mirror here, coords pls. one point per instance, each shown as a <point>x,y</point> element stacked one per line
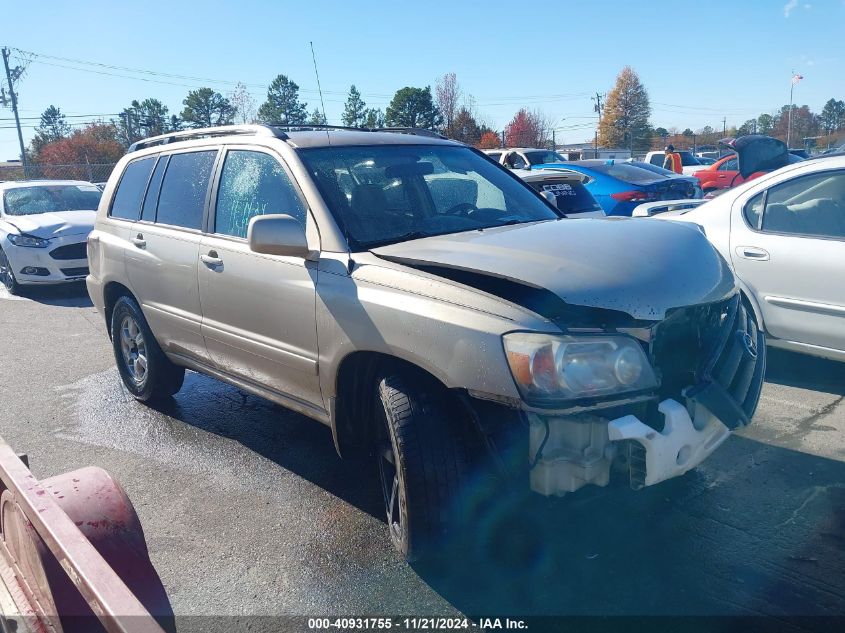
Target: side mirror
<point>277,235</point>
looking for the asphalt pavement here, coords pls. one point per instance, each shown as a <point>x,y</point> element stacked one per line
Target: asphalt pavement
<point>247,510</point>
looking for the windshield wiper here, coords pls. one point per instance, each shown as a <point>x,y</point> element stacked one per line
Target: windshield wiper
<point>411,235</point>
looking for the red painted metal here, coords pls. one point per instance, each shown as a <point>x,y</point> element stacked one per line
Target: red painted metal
<point>40,539</point>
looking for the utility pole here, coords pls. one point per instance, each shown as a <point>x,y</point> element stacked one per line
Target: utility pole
<point>554,141</point>
<point>503,139</point>
<point>14,99</point>
<point>724,126</point>
<point>597,108</point>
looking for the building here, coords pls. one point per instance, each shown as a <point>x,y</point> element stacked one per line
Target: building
<point>583,151</point>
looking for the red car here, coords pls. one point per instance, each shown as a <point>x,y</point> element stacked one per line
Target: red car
<point>723,174</point>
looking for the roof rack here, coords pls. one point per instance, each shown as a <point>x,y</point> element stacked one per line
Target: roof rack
<point>207,132</point>
<point>273,131</point>
<point>416,131</point>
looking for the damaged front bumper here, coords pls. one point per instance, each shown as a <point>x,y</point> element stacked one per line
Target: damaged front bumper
<point>567,452</point>
<point>573,453</point>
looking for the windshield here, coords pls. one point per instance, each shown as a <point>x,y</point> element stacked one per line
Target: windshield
<point>541,157</point>
<point>570,197</point>
<point>390,193</point>
<point>46,198</point>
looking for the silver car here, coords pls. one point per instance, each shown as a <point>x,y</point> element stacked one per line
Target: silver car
<point>425,304</point>
<point>783,235</point>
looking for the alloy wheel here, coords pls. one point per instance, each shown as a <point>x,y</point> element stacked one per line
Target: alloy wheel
<point>134,349</point>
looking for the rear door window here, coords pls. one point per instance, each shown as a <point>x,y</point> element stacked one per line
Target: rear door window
<point>126,204</point>
<point>184,188</point>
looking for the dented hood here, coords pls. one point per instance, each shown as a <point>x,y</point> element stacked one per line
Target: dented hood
<point>54,224</point>
<point>626,265</point>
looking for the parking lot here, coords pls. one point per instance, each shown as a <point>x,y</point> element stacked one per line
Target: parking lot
<point>248,510</point>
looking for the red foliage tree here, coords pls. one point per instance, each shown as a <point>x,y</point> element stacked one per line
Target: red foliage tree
<point>489,140</point>
<point>95,144</point>
<point>524,130</point>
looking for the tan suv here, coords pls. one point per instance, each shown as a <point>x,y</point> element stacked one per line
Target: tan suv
<point>425,304</point>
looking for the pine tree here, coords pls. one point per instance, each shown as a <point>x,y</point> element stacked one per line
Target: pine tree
<point>283,106</point>
<point>413,107</point>
<point>355,112</point>
<point>53,127</point>
<point>317,118</point>
<point>207,108</point>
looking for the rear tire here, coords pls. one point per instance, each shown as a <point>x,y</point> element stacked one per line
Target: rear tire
<point>422,453</point>
<point>146,372</point>
<point>7,275</point>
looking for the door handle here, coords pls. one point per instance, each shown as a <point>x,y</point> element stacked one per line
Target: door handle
<point>139,241</point>
<point>211,260</point>
<point>752,252</point>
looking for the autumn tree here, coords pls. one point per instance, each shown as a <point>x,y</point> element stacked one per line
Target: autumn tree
<point>244,104</point>
<point>489,140</point>
<point>93,144</point>
<point>413,107</point>
<point>624,121</point>
<point>283,106</point>
<point>53,127</point>
<point>207,108</point>
<point>447,94</point>
<point>526,129</point>
<point>355,111</point>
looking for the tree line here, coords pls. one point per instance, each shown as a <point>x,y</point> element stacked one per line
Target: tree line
<point>624,120</point>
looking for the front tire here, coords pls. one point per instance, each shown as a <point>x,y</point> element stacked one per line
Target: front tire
<point>7,275</point>
<point>146,372</point>
<point>423,455</point>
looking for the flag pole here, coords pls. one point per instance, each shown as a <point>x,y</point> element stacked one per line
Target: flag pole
<point>789,119</point>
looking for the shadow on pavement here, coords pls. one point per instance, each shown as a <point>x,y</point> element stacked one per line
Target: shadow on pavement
<point>806,372</point>
<point>292,441</point>
<point>71,295</point>
<point>760,530</point>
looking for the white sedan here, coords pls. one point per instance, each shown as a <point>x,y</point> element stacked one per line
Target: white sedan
<point>783,235</point>
<point>44,227</point>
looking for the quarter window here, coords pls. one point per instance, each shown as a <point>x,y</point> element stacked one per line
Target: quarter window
<point>812,205</point>
<point>754,210</point>
<point>253,183</point>
<point>127,199</point>
<point>184,188</point>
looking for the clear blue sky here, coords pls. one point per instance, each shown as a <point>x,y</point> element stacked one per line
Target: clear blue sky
<point>699,61</point>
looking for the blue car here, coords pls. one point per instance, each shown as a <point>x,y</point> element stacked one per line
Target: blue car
<point>619,187</point>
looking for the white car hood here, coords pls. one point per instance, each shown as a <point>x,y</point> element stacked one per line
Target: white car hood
<point>53,224</point>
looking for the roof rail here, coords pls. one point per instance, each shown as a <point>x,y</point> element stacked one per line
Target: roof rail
<point>207,132</point>
<point>301,127</point>
<point>417,131</point>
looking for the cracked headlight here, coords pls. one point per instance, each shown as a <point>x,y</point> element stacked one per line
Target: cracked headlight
<point>548,367</point>
<point>28,241</point>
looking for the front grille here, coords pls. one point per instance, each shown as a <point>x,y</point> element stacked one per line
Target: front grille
<point>70,251</point>
<point>718,350</point>
<point>81,271</point>
<point>731,377</point>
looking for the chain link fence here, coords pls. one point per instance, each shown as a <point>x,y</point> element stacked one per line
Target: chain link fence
<point>98,172</point>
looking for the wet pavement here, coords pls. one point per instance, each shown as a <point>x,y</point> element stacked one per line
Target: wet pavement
<point>248,510</point>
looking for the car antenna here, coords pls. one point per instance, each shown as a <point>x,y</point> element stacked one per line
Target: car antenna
<point>320,90</point>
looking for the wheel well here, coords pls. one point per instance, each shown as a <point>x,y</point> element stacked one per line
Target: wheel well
<point>355,397</point>
<point>750,307</point>
<point>111,293</point>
